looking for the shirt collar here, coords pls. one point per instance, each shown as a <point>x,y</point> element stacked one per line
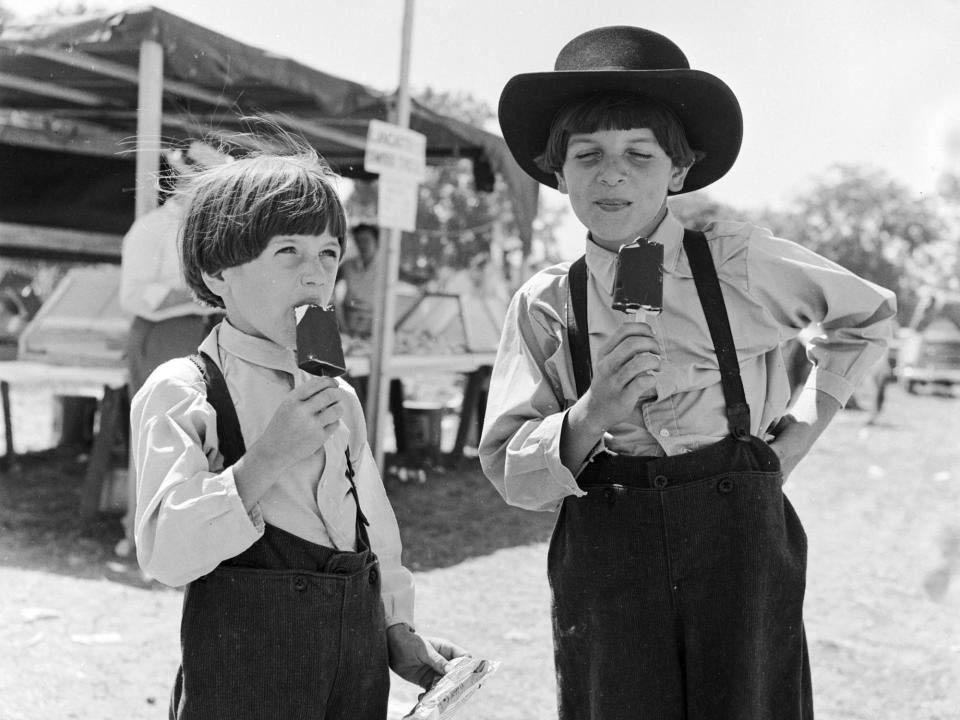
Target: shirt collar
<point>602,263</point>
<point>255,350</point>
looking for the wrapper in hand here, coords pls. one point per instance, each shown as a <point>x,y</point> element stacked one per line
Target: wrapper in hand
<point>449,692</point>
<point>638,285</point>
<point>319,350</point>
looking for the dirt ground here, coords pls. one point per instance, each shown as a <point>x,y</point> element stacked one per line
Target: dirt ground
<point>86,637</point>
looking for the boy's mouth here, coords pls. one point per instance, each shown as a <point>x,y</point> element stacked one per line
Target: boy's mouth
<point>612,204</point>
<point>300,309</point>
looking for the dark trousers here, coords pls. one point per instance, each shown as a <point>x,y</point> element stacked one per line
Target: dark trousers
<point>678,589</point>
<point>287,630</point>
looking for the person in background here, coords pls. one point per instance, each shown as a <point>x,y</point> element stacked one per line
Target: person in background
<point>360,275</point>
<point>167,321</point>
<point>677,565</point>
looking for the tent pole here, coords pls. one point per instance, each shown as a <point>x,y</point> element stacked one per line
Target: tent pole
<point>383,330</point>
<point>149,124</point>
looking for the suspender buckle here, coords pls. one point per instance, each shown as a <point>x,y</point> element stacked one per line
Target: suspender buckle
<point>738,417</point>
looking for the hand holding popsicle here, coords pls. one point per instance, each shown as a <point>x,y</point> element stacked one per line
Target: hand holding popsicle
<point>622,376</point>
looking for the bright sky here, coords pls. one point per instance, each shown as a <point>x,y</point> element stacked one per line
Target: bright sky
<point>872,82</point>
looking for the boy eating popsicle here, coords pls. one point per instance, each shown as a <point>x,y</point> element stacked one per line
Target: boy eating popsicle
<point>677,566</point>
<point>256,488</point>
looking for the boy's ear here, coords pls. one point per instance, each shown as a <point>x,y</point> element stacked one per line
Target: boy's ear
<point>677,177</point>
<point>561,183</point>
<point>214,282</point>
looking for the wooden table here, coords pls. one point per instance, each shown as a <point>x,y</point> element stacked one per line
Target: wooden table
<point>107,384</point>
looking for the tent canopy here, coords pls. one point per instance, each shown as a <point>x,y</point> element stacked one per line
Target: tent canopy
<point>68,124</point>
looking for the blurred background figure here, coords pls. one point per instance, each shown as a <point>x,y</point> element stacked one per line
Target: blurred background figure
<point>359,275</point>
<point>167,321</point>
<point>880,376</point>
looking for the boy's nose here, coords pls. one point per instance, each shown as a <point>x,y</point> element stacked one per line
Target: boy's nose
<point>612,172</point>
<point>313,273</point>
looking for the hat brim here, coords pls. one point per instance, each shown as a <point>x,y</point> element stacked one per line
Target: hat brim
<point>706,107</point>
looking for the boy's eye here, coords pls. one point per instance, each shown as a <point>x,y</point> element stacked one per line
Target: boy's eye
<point>286,249</point>
<point>331,253</point>
<point>636,155</point>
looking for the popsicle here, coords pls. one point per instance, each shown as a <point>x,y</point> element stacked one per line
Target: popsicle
<point>319,350</point>
<point>638,284</point>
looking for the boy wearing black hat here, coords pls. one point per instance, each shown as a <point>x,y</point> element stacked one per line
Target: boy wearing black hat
<point>677,565</point>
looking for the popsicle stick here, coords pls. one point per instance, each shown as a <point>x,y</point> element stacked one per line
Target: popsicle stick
<point>640,315</point>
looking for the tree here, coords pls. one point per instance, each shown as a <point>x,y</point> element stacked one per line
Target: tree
<point>698,209</point>
<point>875,227</point>
<point>456,224</point>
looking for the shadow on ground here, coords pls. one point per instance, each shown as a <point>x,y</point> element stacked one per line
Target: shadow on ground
<point>453,515</point>
<point>457,514</point>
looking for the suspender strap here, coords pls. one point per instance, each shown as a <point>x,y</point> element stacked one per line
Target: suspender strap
<point>715,310</point>
<point>231,442</point>
<point>577,329</point>
<point>361,518</point>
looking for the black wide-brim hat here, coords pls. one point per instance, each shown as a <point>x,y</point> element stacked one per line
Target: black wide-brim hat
<point>624,59</point>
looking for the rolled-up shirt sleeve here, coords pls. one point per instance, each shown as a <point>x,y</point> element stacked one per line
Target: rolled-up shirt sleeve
<point>520,443</point>
<point>189,514</point>
<point>800,288</point>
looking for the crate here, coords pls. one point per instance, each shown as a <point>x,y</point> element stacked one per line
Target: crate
<point>81,323</point>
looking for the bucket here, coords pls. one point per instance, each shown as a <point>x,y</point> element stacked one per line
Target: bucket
<point>424,427</point>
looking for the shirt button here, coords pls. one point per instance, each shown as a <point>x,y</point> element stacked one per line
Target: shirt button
<point>664,432</point>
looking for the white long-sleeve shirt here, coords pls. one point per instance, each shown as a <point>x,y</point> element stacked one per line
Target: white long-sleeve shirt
<point>773,289</point>
<point>190,516</point>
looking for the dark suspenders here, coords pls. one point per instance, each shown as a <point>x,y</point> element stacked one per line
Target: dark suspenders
<point>714,309</point>
<point>231,442</point>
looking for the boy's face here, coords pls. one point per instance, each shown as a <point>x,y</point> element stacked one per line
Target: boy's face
<point>261,296</point>
<point>617,181</point>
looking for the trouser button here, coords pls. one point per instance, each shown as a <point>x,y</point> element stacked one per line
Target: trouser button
<point>660,482</point>
<point>374,575</point>
<point>725,486</point>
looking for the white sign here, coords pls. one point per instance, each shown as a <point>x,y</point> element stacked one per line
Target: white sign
<point>397,201</point>
<point>395,149</point>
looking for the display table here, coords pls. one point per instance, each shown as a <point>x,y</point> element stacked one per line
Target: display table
<point>109,386</point>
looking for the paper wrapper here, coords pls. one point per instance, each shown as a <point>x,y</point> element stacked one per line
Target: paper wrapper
<point>453,689</point>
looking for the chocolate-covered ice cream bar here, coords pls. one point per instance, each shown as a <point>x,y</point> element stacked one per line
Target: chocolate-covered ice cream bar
<point>319,350</point>
<point>639,280</point>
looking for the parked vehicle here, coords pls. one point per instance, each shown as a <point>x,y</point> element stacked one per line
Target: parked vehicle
<point>929,358</point>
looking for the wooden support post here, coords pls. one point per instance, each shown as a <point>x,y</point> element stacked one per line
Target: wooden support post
<point>10,458</point>
<point>99,463</point>
<point>472,410</point>
<point>149,125</point>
